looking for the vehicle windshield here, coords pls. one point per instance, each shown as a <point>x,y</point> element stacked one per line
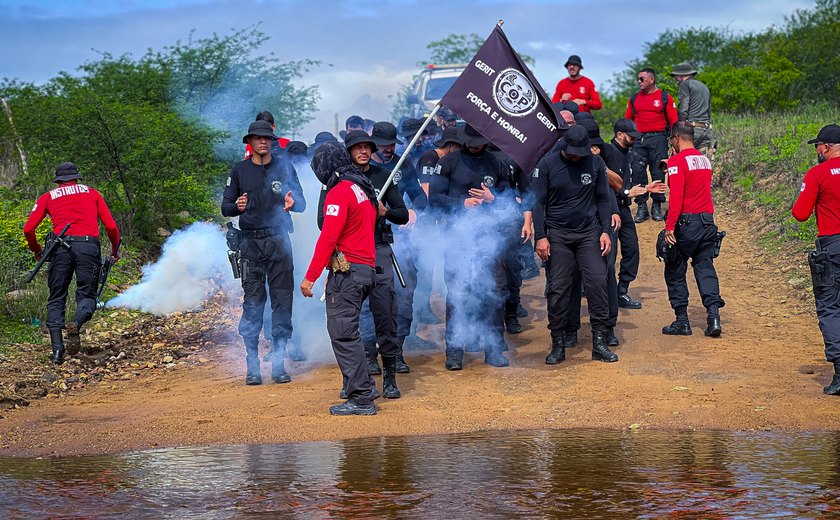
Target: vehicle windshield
<point>436,88</point>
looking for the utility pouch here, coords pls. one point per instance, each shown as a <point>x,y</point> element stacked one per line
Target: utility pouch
<point>707,219</point>
<point>244,268</point>
<point>718,242</point>
<point>233,237</point>
<point>339,263</point>
<point>661,247</point>
<point>822,269</point>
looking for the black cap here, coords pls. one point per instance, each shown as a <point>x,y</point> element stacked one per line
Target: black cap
<point>66,172</point>
<point>472,137</point>
<point>296,147</point>
<point>259,129</point>
<point>571,106</point>
<point>411,126</point>
<point>628,127</point>
<point>323,137</point>
<point>447,114</point>
<point>574,59</point>
<point>450,135</point>
<point>593,130</point>
<point>576,141</point>
<point>384,133</point>
<point>830,134</point>
<point>355,137</point>
<point>582,116</point>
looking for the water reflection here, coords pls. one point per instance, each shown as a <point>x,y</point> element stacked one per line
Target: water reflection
<point>539,474</point>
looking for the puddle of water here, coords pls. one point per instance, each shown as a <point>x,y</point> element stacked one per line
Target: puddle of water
<point>539,474</point>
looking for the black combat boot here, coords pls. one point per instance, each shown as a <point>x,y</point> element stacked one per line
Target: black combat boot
<point>252,362</point>
<point>558,351</point>
<point>402,366</point>
<point>389,378</point>
<point>680,327</point>
<point>74,340</point>
<point>713,329</point>
<point>512,325</point>
<point>624,299</point>
<point>521,312</point>
<point>612,340</point>
<point>57,346</point>
<point>373,364</point>
<point>600,350</point>
<point>278,367</point>
<point>656,212</point>
<point>833,388</point>
<point>569,338</point>
<point>493,356</point>
<point>454,359</point>
<point>641,213</point>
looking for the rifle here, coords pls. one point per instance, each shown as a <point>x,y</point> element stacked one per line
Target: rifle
<point>104,271</point>
<point>49,251</point>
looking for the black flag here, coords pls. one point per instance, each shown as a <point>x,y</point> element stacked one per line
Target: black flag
<point>498,96</point>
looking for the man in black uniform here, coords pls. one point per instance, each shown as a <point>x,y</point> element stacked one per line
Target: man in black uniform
<point>382,300</point>
<point>261,191</point>
<point>572,221</point>
<point>615,155</point>
<point>384,134</point>
<point>470,189</point>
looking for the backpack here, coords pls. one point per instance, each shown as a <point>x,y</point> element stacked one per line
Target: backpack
<point>664,106</point>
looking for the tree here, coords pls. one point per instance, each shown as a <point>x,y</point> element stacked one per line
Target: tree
<point>459,48</point>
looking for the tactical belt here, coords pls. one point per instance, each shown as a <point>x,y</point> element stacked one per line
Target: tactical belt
<point>652,134</point>
<point>685,218</point>
<point>82,238</point>
<point>261,232</point>
<point>699,124</point>
<point>823,242</point>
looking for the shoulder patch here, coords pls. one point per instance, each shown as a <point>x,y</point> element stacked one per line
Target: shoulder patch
<point>801,189</point>
<point>437,169</point>
<point>359,192</point>
<point>536,173</point>
<point>36,204</point>
<point>228,181</point>
<point>332,210</point>
<point>673,170</point>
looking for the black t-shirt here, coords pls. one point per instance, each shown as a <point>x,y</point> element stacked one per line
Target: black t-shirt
<point>426,165</point>
<point>266,186</point>
<point>618,160</point>
<point>459,171</point>
<point>570,195</point>
<point>397,212</point>
<point>407,181</point>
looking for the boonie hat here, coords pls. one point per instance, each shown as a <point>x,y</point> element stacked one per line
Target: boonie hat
<point>384,133</point>
<point>411,126</point>
<point>450,135</point>
<point>576,141</point>
<point>683,69</point>
<point>355,137</point>
<point>66,172</point>
<point>472,137</point>
<point>628,127</point>
<point>574,59</point>
<point>259,129</point>
<point>829,134</point>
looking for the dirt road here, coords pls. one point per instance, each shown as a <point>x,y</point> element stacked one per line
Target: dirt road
<point>765,372</point>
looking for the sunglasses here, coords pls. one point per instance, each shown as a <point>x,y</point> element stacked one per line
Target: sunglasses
<point>641,78</point>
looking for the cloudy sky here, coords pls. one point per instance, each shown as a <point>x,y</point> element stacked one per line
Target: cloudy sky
<point>372,46</point>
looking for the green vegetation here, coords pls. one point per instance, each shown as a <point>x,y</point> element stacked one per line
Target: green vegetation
<point>155,134</point>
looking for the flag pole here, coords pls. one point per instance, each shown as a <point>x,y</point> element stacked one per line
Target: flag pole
<point>405,153</point>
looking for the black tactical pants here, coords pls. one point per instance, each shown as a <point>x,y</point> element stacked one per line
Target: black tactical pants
<point>345,293</point>
<point>268,260</point>
<point>379,313</point>
<point>404,252</point>
<point>827,298</point>
<point>474,273</point>
<point>696,234</point>
<point>629,243</point>
<point>82,259</point>
<point>571,251</point>
<point>645,154</point>
<point>513,264</point>
<point>573,313</point>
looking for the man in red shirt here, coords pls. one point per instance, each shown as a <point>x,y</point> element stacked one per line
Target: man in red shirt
<point>653,111</point>
<point>820,194</point>
<point>350,212</point>
<point>690,231</point>
<point>82,207</point>
<point>577,88</point>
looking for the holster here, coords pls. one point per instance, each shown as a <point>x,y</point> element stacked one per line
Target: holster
<point>822,268</point>
<point>665,252</point>
<point>49,238</point>
<point>234,239</point>
<point>339,263</point>
<point>718,242</point>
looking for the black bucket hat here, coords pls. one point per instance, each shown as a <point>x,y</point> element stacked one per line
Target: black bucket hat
<point>683,69</point>
<point>471,137</point>
<point>574,59</point>
<point>355,137</point>
<point>259,129</point>
<point>450,135</point>
<point>829,134</point>
<point>411,126</point>
<point>66,172</point>
<point>384,133</point>
<point>576,141</point>
<point>593,130</point>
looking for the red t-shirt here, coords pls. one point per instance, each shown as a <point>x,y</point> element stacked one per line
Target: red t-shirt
<point>581,88</point>
<point>71,203</point>
<point>349,220</point>
<point>690,180</point>
<point>649,114</point>
<point>820,191</point>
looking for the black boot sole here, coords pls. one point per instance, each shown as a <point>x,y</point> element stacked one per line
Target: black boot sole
<point>253,380</point>
<point>668,331</point>
<point>714,333</point>
<point>73,344</point>
<point>599,357</point>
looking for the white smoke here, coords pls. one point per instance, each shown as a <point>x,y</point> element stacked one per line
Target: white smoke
<point>192,267</point>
